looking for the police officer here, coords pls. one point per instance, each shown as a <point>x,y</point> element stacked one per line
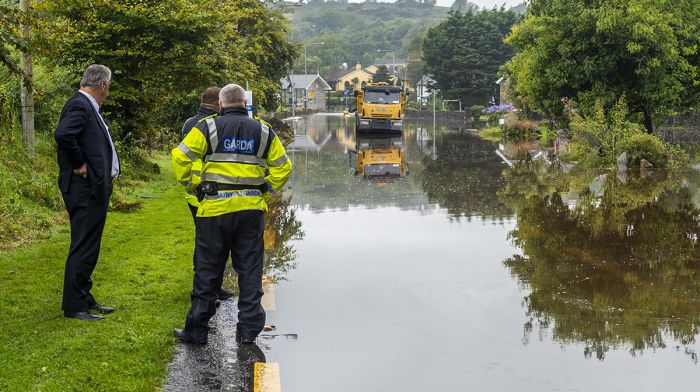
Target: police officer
<point>209,108</point>
<point>235,150</point>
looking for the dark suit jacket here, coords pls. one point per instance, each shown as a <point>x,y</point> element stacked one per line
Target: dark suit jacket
<point>81,138</point>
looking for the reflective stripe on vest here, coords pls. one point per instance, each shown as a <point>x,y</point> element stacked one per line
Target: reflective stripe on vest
<point>264,138</point>
<point>279,161</point>
<point>186,150</point>
<point>234,158</point>
<point>224,179</point>
<point>230,194</point>
<point>213,136</point>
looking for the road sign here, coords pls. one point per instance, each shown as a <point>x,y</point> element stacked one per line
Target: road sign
<point>249,103</point>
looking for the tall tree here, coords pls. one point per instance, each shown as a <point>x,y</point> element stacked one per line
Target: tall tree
<point>164,53</point>
<point>382,74</point>
<point>464,52</point>
<point>27,90</point>
<point>599,50</point>
<point>10,18</point>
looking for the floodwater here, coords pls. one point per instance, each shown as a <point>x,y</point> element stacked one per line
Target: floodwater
<point>455,272</point>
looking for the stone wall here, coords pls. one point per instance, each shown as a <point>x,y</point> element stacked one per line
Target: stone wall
<point>680,129</point>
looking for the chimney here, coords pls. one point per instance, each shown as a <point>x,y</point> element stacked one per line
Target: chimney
<point>358,66</point>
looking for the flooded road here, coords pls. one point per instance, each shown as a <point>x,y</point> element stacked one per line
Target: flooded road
<point>456,273</point>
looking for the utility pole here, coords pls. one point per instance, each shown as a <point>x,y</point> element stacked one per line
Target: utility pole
<point>26,88</point>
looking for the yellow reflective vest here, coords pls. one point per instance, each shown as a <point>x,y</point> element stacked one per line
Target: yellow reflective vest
<point>236,151</point>
<point>202,114</point>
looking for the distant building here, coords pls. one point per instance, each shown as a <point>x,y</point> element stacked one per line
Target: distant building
<point>348,79</point>
<point>424,88</point>
<point>501,92</point>
<point>309,91</point>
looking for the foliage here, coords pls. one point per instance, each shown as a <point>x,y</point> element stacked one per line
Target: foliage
<point>465,51</point>
<point>476,111</point>
<point>10,19</point>
<point>599,139</point>
<point>32,209</point>
<point>523,130</point>
<point>646,50</point>
<point>354,32</point>
<point>163,55</point>
<point>547,135</point>
<point>382,75</point>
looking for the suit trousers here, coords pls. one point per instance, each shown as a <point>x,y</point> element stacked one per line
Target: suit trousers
<point>240,235</point>
<point>87,221</point>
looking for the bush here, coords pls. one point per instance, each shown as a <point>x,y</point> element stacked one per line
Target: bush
<point>523,130</point>
<point>645,146</point>
<point>475,112</point>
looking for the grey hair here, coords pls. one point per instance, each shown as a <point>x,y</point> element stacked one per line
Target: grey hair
<point>232,95</point>
<point>95,75</point>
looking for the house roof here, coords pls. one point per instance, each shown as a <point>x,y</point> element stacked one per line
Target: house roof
<point>336,75</point>
<point>304,81</point>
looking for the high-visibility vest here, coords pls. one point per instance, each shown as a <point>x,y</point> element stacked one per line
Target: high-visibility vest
<point>236,151</point>
<point>191,122</point>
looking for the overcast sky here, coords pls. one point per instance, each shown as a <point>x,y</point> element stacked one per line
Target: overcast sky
<point>481,3</point>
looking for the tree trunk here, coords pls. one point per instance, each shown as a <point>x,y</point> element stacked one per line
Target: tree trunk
<point>648,120</point>
<point>27,90</point>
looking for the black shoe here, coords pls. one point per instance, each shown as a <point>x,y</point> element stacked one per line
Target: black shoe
<point>217,303</point>
<point>242,339</point>
<point>224,294</point>
<point>184,337</point>
<point>82,316</point>
<point>101,309</point>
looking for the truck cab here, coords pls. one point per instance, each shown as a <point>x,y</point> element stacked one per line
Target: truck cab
<point>380,107</point>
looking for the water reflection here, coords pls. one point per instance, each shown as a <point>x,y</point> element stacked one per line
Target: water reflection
<point>449,169</point>
<point>379,157</point>
<point>282,227</point>
<point>609,265</point>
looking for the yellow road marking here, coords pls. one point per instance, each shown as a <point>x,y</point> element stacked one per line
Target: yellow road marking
<point>268,299</point>
<point>266,377</point>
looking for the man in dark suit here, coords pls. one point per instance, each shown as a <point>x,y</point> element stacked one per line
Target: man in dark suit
<point>87,162</point>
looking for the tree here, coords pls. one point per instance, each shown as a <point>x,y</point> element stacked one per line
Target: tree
<point>382,75</point>
<point>165,53</point>
<point>10,18</point>
<point>464,53</point>
<point>601,50</point>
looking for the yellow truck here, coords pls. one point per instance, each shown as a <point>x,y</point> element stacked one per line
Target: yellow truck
<point>380,158</point>
<point>380,108</point>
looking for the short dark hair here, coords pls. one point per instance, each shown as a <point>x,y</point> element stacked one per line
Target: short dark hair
<point>210,96</point>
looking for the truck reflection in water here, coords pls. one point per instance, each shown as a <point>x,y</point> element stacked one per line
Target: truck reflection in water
<point>609,265</point>
<point>378,157</point>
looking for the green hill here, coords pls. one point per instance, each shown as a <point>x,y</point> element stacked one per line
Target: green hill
<point>354,32</point>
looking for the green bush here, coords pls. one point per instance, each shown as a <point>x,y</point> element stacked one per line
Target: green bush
<point>645,146</point>
<point>476,112</point>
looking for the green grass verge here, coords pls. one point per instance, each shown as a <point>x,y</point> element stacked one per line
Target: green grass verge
<point>145,271</point>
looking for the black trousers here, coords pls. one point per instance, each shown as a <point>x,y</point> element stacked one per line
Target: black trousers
<point>87,221</point>
<point>240,235</point>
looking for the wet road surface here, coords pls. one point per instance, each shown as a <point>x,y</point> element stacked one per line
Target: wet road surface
<point>467,275</point>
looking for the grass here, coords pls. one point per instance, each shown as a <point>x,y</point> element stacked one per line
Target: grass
<point>145,271</point>
<point>494,134</point>
<point>31,207</point>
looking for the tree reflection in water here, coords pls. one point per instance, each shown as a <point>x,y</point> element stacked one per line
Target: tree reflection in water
<point>281,227</point>
<point>610,265</point>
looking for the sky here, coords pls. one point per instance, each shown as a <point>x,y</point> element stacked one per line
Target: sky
<point>481,3</point>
